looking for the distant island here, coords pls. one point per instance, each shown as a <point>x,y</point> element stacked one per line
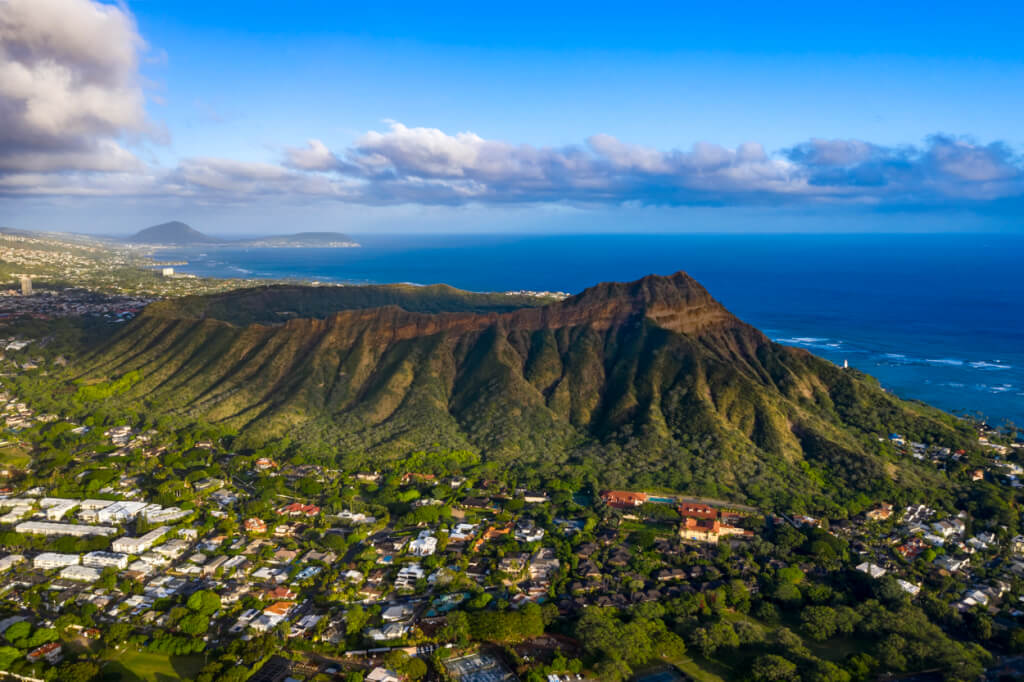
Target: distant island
<point>177,233</point>
<point>322,239</point>
<point>174,233</point>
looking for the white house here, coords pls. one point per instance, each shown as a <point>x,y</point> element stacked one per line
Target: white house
<point>48,560</point>
<point>382,675</point>
<point>101,560</point>
<point>130,545</point>
<point>85,574</point>
<point>9,561</point>
<point>874,570</point>
<point>909,587</point>
<point>75,530</point>
<point>424,545</point>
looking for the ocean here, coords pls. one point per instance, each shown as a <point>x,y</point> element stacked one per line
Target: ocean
<point>939,318</point>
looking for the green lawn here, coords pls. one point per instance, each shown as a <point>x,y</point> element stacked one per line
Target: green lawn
<point>14,457</point>
<point>698,671</point>
<point>143,666</point>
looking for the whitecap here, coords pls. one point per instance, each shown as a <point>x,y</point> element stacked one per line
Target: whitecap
<point>945,361</point>
<point>981,364</point>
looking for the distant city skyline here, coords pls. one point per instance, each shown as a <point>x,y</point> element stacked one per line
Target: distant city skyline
<point>269,118</point>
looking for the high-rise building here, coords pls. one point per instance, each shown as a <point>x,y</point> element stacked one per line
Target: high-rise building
<point>26,285</point>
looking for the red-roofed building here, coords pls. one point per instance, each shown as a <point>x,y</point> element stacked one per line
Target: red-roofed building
<point>697,511</point>
<point>624,499</point>
<point>707,530</point>
<point>280,608</point>
<point>299,509</point>
<point>278,593</point>
<point>428,478</point>
<point>51,653</point>
<point>255,525</point>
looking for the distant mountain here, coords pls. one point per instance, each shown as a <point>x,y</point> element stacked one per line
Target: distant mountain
<point>177,233</point>
<point>648,384</point>
<point>174,233</point>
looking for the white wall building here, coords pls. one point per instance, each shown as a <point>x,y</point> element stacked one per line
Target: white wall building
<point>130,545</point>
<point>102,560</point>
<point>424,545</point>
<point>10,561</point>
<point>85,574</point>
<point>154,513</point>
<point>48,560</point>
<point>74,529</point>
<point>119,512</point>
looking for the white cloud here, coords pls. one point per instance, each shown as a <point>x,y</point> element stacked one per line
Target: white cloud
<point>69,86</point>
<point>314,157</point>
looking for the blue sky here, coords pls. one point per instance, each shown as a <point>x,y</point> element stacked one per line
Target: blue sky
<point>472,117</point>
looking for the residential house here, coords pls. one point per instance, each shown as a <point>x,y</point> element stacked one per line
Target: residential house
<point>623,499</point>
<point>873,570</point>
<point>424,545</point>
<point>880,513</point>
<point>528,531</point>
<point>52,653</point>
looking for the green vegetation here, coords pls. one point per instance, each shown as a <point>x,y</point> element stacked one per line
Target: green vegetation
<point>706,405</point>
<point>145,666</point>
<point>310,452</point>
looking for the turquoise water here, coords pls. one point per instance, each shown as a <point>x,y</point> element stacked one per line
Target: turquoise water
<point>935,317</point>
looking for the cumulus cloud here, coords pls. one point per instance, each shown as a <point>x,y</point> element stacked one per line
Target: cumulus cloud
<point>945,168</point>
<point>72,106</point>
<point>226,179</point>
<point>427,165</point>
<point>69,86</point>
<point>315,156</point>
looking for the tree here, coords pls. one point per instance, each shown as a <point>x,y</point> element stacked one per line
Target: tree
<point>194,624</point>
<point>890,653</point>
<point>819,622</point>
<point>787,594</point>
<point>204,602</point>
<point>597,628</point>
<point>738,595</point>
<point>395,659</point>
<point>414,668</point>
<point>613,670</point>
<point>80,671</point>
<point>355,620</point>
<point>17,632</point>
<point>8,655</point>
<point>714,637</point>
<point>117,633</point>
<point>41,636</point>
<point>770,667</point>
<point>1017,641</point>
<point>826,671</point>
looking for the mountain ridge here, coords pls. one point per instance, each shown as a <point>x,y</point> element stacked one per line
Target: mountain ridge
<point>651,382</point>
